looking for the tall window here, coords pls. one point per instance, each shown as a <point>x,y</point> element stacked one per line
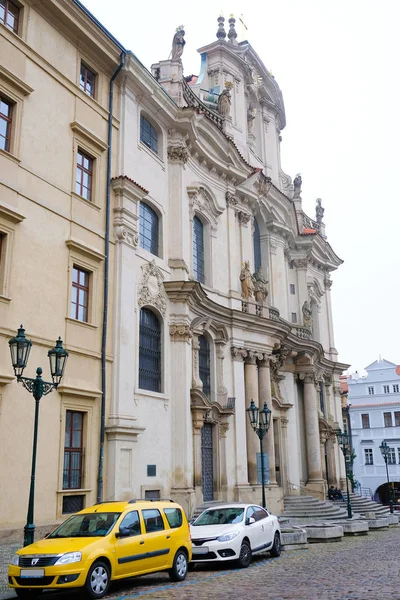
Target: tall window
<point>396,388</point>
<point>292,289</point>
<point>256,246</point>
<point>73,450</point>
<point>80,294</point>
<point>198,250</point>
<point>204,365</point>
<point>365,421</point>
<point>148,135</point>
<point>397,419</point>
<point>6,109</point>
<point>84,175</point>
<point>392,456</point>
<point>387,418</point>
<point>369,456</point>
<point>9,14</point>
<point>294,317</point>
<point>87,80</point>
<point>148,229</point>
<point>386,389</point>
<point>321,398</point>
<point>149,351</point>
<point>371,390</point>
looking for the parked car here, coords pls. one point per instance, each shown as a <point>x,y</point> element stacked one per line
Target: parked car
<point>105,542</point>
<point>234,532</point>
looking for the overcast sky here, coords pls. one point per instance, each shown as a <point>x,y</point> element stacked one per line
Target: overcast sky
<point>337,64</point>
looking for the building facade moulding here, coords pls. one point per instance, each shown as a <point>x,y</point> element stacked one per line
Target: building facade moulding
<point>125,188</point>
<point>177,154</point>
<point>151,289</point>
<point>203,202</point>
<point>180,332</point>
<point>205,411</point>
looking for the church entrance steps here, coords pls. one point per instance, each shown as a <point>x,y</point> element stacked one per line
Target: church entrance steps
<point>308,508</point>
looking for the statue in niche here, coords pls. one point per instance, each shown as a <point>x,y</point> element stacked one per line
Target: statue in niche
<point>251,115</point>
<point>297,186</point>
<point>307,315</point>
<point>319,211</point>
<point>224,100</point>
<point>178,43</point>
<point>260,286</point>
<point>246,281</point>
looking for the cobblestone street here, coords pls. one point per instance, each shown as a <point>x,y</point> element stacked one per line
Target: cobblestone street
<point>355,569</point>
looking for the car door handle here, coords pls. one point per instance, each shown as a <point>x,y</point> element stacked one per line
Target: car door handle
<point>168,537</point>
<point>142,542</point>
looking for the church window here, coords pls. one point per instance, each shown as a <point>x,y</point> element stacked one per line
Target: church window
<point>148,134</point>
<point>204,365</point>
<point>257,246</point>
<point>198,250</point>
<point>148,229</point>
<point>149,351</point>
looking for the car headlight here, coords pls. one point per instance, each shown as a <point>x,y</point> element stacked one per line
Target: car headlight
<point>69,557</point>
<point>227,536</point>
<point>15,560</point>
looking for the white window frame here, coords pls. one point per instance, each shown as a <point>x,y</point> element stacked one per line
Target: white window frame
<point>395,388</point>
<point>368,456</point>
<point>386,389</point>
<point>371,390</point>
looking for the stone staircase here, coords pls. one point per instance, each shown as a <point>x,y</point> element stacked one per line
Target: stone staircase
<point>362,505</point>
<point>304,509</point>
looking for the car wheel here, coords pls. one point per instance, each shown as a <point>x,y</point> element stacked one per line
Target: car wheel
<point>245,555</point>
<point>180,567</point>
<point>277,546</point>
<point>98,580</point>
<point>29,594</point>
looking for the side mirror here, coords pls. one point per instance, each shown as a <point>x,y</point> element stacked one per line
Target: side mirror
<point>123,532</point>
<point>250,521</point>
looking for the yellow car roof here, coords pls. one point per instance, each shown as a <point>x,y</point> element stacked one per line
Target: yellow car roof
<point>121,506</point>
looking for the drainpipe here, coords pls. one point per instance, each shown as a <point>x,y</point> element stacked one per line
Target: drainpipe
<point>100,480</point>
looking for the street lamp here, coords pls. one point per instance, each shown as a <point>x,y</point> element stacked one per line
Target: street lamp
<point>260,422</point>
<point>20,348</point>
<point>343,441</point>
<point>385,451</point>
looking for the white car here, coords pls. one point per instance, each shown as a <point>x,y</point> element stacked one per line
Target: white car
<point>234,532</point>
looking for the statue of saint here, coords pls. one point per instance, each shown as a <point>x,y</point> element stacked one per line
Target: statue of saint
<point>251,115</point>
<point>319,211</point>
<point>224,103</point>
<point>246,281</point>
<point>297,186</point>
<point>260,286</point>
<point>307,315</point>
<point>178,44</point>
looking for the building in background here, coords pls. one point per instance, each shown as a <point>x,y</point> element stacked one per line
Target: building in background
<point>374,410</point>
<point>219,283</point>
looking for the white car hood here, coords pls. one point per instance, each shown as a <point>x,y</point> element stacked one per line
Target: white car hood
<point>205,531</point>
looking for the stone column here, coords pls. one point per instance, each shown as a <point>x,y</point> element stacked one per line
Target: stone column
<point>312,429</point>
<point>322,449</point>
<point>198,422</point>
<point>251,393</point>
<point>264,388</point>
<point>284,455</point>
<point>330,455</point>
<point>242,479</point>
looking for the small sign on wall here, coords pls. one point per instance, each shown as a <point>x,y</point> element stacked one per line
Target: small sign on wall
<point>267,476</point>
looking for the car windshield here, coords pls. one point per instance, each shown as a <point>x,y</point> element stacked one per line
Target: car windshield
<point>220,516</point>
<point>86,525</point>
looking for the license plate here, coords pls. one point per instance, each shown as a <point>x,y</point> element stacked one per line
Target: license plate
<point>32,573</point>
<point>200,550</point>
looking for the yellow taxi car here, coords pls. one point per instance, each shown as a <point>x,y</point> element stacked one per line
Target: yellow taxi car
<point>105,542</point>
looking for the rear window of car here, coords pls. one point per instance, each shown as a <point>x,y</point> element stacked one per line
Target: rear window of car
<point>153,520</point>
<point>174,517</point>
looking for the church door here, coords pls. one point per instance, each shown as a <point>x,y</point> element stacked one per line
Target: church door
<point>207,474</point>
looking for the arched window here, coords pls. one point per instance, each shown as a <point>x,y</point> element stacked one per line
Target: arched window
<point>148,229</point>
<point>148,134</point>
<point>149,351</point>
<point>204,365</point>
<point>256,246</point>
<point>198,250</point>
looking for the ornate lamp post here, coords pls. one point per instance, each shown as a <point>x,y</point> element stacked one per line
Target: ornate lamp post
<point>260,422</point>
<point>385,451</point>
<point>20,348</point>
<point>343,441</point>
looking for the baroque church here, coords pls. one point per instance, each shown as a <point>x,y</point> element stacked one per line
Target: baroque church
<point>218,285</point>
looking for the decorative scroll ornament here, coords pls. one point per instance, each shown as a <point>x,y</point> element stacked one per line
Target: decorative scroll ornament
<point>231,200</point>
<point>177,154</point>
<point>127,235</point>
<point>180,332</point>
<point>151,289</point>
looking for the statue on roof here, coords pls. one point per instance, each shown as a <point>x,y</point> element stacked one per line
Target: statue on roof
<point>178,43</point>
<point>246,281</point>
<point>319,211</point>
<point>297,185</point>
<point>251,115</point>
<point>224,100</point>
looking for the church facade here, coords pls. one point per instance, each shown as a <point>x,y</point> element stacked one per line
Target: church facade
<point>177,265</point>
<point>222,291</point>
